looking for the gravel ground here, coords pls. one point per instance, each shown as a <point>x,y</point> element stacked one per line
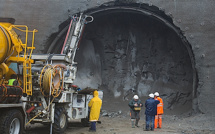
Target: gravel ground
<point>172,124</point>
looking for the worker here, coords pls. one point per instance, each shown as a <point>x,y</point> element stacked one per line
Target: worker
<point>13,80</point>
<point>95,107</point>
<point>158,117</point>
<point>151,111</point>
<point>135,106</point>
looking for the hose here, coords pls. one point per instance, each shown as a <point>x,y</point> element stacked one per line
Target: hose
<point>66,36</point>
<point>57,80</point>
<point>47,79</point>
<point>56,87</point>
<point>39,113</point>
<point>41,76</point>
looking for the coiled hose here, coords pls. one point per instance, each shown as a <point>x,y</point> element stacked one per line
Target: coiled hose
<point>54,75</point>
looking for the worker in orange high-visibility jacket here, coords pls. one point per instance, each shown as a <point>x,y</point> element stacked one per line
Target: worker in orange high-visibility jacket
<point>158,117</point>
<point>95,107</point>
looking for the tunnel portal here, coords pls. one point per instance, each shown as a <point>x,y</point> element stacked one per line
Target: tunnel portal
<point>126,51</point>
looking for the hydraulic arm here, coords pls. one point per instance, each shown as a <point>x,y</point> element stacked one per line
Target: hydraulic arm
<point>74,36</point>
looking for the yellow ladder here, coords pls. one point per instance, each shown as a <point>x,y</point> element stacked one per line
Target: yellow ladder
<point>26,59</point>
<point>27,75</point>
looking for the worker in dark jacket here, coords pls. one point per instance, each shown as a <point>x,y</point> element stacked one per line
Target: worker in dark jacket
<point>151,111</point>
<point>135,106</point>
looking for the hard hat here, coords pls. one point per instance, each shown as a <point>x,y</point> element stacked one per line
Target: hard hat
<point>151,95</point>
<point>136,97</point>
<point>156,94</point>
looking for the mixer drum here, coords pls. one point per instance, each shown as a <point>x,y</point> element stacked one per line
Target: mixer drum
<point>5,40</point>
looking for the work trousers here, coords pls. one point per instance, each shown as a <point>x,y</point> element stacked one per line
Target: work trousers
<point>150,119</point>
<point>93,126</point>
<point>158,120</point>
<point>135,115</point>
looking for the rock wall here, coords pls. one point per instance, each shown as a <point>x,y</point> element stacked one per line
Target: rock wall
<point>195,18</point>
<point>135,52</point>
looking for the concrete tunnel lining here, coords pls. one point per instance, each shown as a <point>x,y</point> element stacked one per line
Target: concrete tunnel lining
<point>145,12</point>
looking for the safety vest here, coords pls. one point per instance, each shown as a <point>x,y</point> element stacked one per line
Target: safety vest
<point>159,106</point>
<point>10,82</point>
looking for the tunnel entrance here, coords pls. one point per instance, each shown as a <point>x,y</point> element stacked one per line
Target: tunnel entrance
<point>128,50</point>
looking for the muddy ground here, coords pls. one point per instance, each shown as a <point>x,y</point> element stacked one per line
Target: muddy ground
<point>115,119</point>
<point>172,124</point>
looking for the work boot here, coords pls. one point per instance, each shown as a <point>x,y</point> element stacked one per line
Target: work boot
<point>146,129</point>
<point>132,123</point>
<point>136,124</point>
<point>92,130</point>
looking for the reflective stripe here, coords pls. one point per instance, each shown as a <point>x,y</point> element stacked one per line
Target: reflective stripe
<point>160,104</point>
<point>93,120</point>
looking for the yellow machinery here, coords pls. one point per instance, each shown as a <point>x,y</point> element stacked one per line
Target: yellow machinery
<point>45,92</point>
<point>11,47</point>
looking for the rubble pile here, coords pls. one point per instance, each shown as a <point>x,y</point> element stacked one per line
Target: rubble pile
<point>105,113</point>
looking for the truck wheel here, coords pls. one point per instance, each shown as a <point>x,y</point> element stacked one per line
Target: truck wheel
<point>60,120</point>
<point>85,122</point>
<point>11,122</point>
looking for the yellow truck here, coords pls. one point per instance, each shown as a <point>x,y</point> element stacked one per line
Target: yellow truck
<point>40,89</point>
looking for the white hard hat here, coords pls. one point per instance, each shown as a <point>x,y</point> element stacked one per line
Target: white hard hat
<point>151,95</point>
<point>156,94</point>
<point>136,97</point>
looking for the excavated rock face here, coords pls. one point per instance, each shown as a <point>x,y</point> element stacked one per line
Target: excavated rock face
<point>195,18</point>
<point>128,53</point>
<point>131,50</point>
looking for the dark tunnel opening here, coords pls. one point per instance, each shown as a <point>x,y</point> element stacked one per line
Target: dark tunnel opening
<point>125,52</point>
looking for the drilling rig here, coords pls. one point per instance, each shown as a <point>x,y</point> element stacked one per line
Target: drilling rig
<point>40,89</point>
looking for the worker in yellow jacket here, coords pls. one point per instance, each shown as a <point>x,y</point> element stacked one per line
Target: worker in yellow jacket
<point>95,106</point>
<point>158,117</point>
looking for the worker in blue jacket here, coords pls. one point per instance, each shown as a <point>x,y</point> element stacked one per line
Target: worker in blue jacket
<point>151,111</point>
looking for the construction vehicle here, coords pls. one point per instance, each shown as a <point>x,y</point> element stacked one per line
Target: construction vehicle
<point>40,89</point>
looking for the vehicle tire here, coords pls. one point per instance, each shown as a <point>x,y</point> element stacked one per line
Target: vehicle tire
<point>60,120</point>
<point>11,122</point>
<point>85,122</point>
